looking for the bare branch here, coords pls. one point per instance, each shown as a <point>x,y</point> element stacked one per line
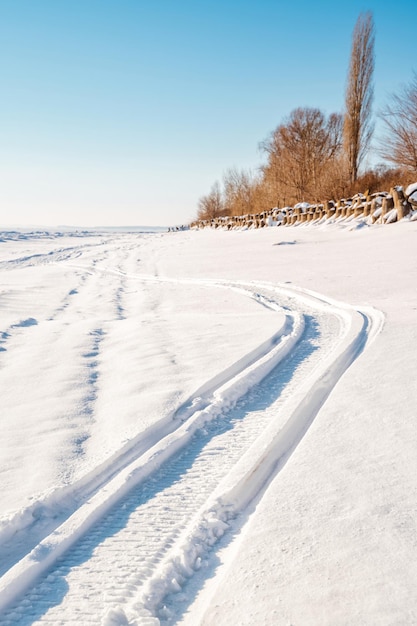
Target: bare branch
<point>400,118</point>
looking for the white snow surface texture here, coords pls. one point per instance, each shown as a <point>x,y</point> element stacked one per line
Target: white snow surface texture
<point>209,427</point>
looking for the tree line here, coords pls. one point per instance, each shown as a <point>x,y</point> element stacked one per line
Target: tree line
<point>313,157</point>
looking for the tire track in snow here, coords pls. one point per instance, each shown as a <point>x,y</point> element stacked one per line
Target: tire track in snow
<point>249,478</point>
<point>161,580</point>
<point>273,352</point>
<point>183,484</point>
<point>29,526</point>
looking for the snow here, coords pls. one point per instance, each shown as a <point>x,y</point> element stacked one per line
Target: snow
<point>122,353</point>
<point>411,189</point>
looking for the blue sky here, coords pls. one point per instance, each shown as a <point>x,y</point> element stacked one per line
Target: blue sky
<point>124,112</point>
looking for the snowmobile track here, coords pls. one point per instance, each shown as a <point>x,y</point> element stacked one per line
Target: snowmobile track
<point>153,518</point>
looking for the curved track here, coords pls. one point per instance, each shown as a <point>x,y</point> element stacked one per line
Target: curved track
<point>136,531</point>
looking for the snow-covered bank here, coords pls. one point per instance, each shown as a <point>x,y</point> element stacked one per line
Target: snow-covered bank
<point>111,340</point>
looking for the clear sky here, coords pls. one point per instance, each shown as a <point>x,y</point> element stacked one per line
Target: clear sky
<point>124,112</point>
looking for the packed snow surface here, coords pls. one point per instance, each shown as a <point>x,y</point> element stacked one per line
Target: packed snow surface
<point>209,427</point>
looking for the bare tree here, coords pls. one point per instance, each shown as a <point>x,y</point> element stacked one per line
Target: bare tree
<point>238,191</point>
<point>400,118</point>
<point>358,126</point>
<point>211,205</point>
<point>299,152</point>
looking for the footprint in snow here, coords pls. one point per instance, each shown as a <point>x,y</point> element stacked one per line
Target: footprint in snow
<point>30,321</point>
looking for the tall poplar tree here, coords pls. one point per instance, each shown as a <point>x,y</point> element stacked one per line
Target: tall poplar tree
<point>358,125</point>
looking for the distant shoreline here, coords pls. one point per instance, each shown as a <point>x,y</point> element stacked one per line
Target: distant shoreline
<point>82,229</point>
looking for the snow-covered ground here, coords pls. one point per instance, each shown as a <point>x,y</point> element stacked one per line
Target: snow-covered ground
<point>209,427</point>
